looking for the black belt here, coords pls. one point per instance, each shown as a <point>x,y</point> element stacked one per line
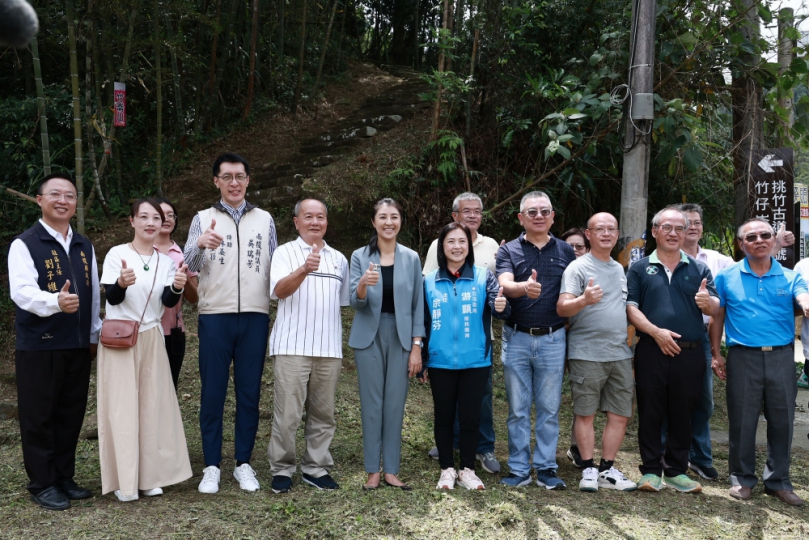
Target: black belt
<point>682,344</point>
<point>764,349</point>
<point>542,331</point>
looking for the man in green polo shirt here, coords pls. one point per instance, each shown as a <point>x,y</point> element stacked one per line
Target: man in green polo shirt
<point>668,293</point>
<point>757,296</point>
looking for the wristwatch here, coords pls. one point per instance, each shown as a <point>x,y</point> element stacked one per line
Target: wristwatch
<point>420,343</point>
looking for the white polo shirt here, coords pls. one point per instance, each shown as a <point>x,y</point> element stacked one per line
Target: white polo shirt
<point>485,249</point>
<point>716,262</point>
<point>308,322</point>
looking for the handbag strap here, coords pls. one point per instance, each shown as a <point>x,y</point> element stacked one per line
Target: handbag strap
<point>156,266</point>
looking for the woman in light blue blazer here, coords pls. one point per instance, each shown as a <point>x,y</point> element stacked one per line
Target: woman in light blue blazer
<point>386,335</point>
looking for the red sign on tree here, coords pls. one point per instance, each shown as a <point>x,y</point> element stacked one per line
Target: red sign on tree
<point>119,105</point>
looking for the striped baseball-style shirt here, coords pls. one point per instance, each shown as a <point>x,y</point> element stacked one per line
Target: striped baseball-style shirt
<point>308,322</point>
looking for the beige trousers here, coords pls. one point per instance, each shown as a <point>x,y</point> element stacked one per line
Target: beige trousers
<point>303,383</point>
<point>141,440</point>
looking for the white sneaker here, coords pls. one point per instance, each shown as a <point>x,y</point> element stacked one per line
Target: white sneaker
<point>246,477</point>
<point>589,479</point>
<point>468,479</point>
<point>447,480</point>
<point>615,479</point>
<point>210,480</point>
<point>151,492</point>
<point>125,498</point>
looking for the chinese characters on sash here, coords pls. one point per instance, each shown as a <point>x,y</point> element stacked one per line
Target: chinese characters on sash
<point>469,307</point>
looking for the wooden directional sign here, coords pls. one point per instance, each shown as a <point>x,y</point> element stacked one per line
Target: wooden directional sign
<point>771,193</point>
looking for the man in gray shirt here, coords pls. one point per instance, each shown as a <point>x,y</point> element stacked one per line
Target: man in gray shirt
<point>594,295</point>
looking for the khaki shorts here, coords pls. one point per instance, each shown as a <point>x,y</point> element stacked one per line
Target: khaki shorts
<point>604,386</point>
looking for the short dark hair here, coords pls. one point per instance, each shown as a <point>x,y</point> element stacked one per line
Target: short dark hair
<point>575,231</point>
<point>165,200</point>
<point>48,178</point>
<point>147,200</point>
<point>692,207</point>
<point>442,258</point>
<point>230,157</point>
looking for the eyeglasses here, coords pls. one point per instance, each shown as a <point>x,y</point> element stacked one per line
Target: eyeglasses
<point>679,229</point>
<point>577,247</point>
<point>56,195</point>
<point>696,223</point>
<point>601,230</point>
<point>240,178</point>
<point>172,217</point>
<point>752,237</point>
<point>468,212</point>
<point>534,212</point>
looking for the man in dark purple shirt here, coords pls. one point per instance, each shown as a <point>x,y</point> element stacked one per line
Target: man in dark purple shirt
<point>530,271</point>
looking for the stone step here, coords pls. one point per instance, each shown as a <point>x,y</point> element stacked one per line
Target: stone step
<point>329,147</point>
<point>274,179</point>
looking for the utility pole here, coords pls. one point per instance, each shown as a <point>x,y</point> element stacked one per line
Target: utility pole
<point>637,143</point>
<point>786,20</point>
<point>747,117</point>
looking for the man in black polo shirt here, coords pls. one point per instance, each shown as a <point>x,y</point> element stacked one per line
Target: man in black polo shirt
<point>530,271</point>
<point>53,281</point>
<point>668,293</point>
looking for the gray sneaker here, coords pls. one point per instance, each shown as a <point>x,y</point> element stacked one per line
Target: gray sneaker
<point>489,462</point>
<point>433,453</point>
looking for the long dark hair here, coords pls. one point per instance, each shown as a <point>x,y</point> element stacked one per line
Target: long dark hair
<point>373,246</point>
<point>442,258</point>
<point>165,200</point>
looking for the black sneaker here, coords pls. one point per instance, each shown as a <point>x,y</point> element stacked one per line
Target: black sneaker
<point>574,456</point>
<point>281,484</point>
<point>708,473</point>
<point>321,482</point>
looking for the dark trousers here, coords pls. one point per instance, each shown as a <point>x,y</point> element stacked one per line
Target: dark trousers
<point>175,349</point>
<point>52,397</point>
<point>460,389</point>
<point>755,377</point>
<point>667,388</point>
<point>240,338</point>
<point>486,439</point>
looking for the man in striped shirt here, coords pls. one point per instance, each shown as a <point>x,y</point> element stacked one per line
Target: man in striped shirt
<point>310,281</point>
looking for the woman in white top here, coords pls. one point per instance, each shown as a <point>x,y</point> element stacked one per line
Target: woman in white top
<point>140,431</point>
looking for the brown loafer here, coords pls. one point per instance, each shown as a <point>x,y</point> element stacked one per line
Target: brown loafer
<point>741,492</point>
<point>786,495</point>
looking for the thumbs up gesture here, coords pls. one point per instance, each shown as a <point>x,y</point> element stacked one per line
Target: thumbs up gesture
<point>702,298</point>
<point>532,288</point>
<point>592,293</point>
<point>784,237</point>
<point>68,303</point>
<point>312,262</point>
<point>210,239</point>
<point>500,301</point>
<point>180,277</point>
<point>127,276</point>
<point>370,277</point>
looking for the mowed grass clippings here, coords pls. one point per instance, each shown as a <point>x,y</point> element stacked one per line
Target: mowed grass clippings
<point>304,513</point>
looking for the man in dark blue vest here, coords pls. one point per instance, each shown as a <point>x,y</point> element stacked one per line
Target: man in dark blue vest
<point>53,278</point>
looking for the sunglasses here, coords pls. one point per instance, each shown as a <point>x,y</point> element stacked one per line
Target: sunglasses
<point>533,212</point>
<point>577,247</point>
<point>752,237</point>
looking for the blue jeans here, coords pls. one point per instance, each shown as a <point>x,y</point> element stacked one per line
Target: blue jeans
<point>701,453</point>
<point>486,438</point>
<point>533,367</point>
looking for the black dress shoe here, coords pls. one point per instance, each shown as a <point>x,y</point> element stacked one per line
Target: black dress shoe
<point>51,499</point>
<point>403,487</point>
<point>73,490</point>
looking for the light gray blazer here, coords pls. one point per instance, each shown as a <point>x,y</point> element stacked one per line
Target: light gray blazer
<point>408,298</point>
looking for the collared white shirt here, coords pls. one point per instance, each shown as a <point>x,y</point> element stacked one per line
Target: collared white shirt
<point>25,291</point>
<point>716,262</point>
<point>484,247</point>
<point>308,321</point>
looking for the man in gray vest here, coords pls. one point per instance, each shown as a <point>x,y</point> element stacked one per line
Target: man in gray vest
<point>230,245</point>
<point>53,279</point>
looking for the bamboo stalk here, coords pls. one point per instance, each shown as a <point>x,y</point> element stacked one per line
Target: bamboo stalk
<point>253,39</point>
<point>296,97</point>
<point>43,116</point>
<point>325,46</point>
<point>159,97</point>
<point>77,141</point>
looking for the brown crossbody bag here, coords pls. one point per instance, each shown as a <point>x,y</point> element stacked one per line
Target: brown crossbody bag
<point>123,334</point>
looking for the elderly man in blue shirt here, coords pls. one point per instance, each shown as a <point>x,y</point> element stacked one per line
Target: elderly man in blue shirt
<point>757,297</point>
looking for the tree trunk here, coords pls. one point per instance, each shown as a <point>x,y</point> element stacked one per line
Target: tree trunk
<point>342,31</point>
<point>88,121</point>
<point>471,82</point>
<point>178,94</point>
<point>325,46</point>
<point>43,117</point>
<point>416,24</point>
<point>77,141</point>
<point>437,108</point>
<point>213,97</point>
<point>158,176</point>
<point>207,90</point>
<point>253,40</point>
<point>282,6</point>
<point>301,54</point>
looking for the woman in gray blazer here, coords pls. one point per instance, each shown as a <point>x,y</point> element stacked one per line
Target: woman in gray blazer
<point>386,335</point>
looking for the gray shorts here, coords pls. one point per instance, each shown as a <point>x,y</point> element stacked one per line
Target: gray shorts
<point>604,386</point>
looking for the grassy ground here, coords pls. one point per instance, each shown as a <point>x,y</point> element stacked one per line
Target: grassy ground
<point>528,512</point>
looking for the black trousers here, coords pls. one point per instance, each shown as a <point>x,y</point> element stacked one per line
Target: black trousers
<point>461,390</point>
<point>667,387</point>
<point>52,397</point>
<point>175,349</point>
